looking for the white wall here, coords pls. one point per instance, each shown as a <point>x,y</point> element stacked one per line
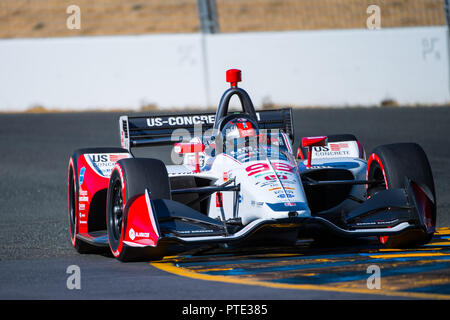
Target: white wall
<point>101,72</point>
<point>339,67</point>
<point>332,67</point>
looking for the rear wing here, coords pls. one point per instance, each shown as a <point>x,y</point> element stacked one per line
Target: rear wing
<point>152,130</point>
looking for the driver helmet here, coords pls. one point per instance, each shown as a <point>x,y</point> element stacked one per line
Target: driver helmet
<point>239,130</point>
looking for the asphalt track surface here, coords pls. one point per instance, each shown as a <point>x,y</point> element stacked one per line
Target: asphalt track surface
<point>35,250</point>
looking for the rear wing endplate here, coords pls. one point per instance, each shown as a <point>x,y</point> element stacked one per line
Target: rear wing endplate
<point>153,130</point>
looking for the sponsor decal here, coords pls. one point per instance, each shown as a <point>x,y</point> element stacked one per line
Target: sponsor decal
<point>83,199</point>
<point>245,129</point>
<point>257,168</point>
<point>273,177</point>
<point>82,171</point>
<point>117,157</point>
<point>132,234</point>
<point>289,204</point>
<point>194,231</point>
<point>219,200</point>
<point>347,165</point>
<point>294,182</point>
<point>337,150</point>
<point>317,167</point>
<point>180,120</point>
<point>142,235</point>
<point>261,167</point>
<point>283,196</point>
<point>270,184</point>
<point>103,164</point>
<point>338,146</point>
<point>281,166</point>
<point>328,152</point>
<point>381,222</point>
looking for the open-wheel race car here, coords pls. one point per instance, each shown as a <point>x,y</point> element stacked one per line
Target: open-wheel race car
<point>236,180</point>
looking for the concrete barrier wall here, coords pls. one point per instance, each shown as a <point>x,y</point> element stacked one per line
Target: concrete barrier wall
<point>312,68</point>
<point>351,67</point>
<point>101,72</point>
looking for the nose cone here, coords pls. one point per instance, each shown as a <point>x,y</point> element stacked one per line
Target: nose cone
<point>274,194</point>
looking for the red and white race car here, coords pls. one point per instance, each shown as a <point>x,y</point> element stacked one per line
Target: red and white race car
<point>237,180</point>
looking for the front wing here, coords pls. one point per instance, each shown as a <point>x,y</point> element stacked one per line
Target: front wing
<point>162,222</point>
<point>389,212</point>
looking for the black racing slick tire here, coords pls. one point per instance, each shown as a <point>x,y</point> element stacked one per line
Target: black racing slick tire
<point>129,180</point>
<point>73,190</point>
<point>391,165</point>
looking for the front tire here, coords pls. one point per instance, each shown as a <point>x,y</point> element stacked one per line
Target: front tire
<point>390,165</point>
<point>128,180</point>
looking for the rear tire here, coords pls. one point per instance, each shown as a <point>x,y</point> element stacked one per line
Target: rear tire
<point>129,180</point>
<point>72,192</point>
<point>390,165</point>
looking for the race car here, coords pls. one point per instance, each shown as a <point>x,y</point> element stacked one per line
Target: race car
<point>235,180</point>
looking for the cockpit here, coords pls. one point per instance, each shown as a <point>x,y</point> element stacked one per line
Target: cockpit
<point>265,145</point>
<point>238,134</point>
<point>242,140</point>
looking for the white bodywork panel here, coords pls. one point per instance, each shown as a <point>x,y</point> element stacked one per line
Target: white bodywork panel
<point>269,189</point>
